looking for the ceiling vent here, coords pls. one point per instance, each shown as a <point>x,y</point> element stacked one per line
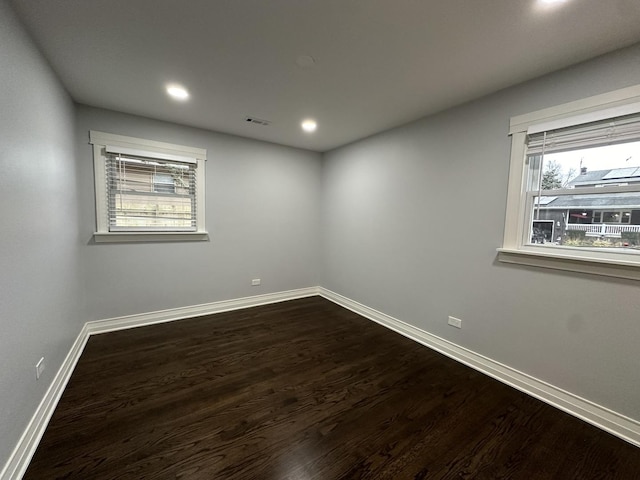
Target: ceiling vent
<point>258,121</point>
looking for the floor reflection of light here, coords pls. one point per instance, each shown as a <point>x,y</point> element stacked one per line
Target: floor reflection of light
<point>295,465</point>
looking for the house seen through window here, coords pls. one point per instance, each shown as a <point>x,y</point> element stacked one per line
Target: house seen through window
<point>567,210</point>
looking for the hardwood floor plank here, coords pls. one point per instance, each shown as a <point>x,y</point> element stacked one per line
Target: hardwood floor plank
<point>304,390</point>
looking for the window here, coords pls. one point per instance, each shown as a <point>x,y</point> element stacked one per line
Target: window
<point>147,190</point>
<point>166,182</point>
<point>574,187</point>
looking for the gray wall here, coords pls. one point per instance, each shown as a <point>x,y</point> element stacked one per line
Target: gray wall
<point>262,214</point>
<point>411,221</point>
<point>40,296</point>
<point>406,222</point>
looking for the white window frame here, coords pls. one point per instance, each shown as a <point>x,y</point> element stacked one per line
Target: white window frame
<point>101,141</point>
<point>515,248</point>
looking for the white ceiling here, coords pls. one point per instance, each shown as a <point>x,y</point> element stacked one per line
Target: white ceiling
<point>379,63</point>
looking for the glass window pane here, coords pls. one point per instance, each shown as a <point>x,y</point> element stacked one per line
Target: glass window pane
<point>587,220</point>
<point>163,183</point>
<point>609,165</point>
<point>611,217</point>
<point>534,162</point>
<point>150,194</point>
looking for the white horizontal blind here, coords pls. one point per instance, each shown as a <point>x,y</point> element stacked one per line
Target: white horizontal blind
<point>136,152</point>
<point>595,134</point>
<point>150,194</point>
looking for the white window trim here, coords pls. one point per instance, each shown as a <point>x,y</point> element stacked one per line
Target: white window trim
<point>106,141</point>
<point>515,248</point>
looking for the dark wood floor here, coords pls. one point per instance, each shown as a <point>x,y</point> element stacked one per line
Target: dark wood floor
<point>304,390</point>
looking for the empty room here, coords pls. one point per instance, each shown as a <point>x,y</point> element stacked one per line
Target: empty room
<point>323,239</point>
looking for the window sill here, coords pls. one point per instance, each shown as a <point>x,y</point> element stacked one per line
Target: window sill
<point>137,237</point>
<point>571,262</point>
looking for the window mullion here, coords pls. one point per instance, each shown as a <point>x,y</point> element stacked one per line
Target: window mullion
<point>529,203</point>
<point>591,190</point>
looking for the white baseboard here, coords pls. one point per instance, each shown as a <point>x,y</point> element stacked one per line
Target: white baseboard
<point>161,316</point>
<point>19,460</point>
<point>619,425</point>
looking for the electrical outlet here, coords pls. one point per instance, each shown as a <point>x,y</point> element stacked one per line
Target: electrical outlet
<point>39,368</point>
<point>455,322</point>
<point>255,282</point>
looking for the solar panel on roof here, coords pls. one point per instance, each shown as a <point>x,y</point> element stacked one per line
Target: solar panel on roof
<point>623,173</point>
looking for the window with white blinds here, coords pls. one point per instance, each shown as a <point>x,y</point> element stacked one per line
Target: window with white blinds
<point>574,187</point>
<point>594,134</point>
<point>147,190</point>
<point>151,195</point>
<point>575,175</point>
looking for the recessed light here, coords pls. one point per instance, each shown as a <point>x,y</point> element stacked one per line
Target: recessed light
<point>177,92</point>
<point>547,6</point>
<point>309,125</point>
